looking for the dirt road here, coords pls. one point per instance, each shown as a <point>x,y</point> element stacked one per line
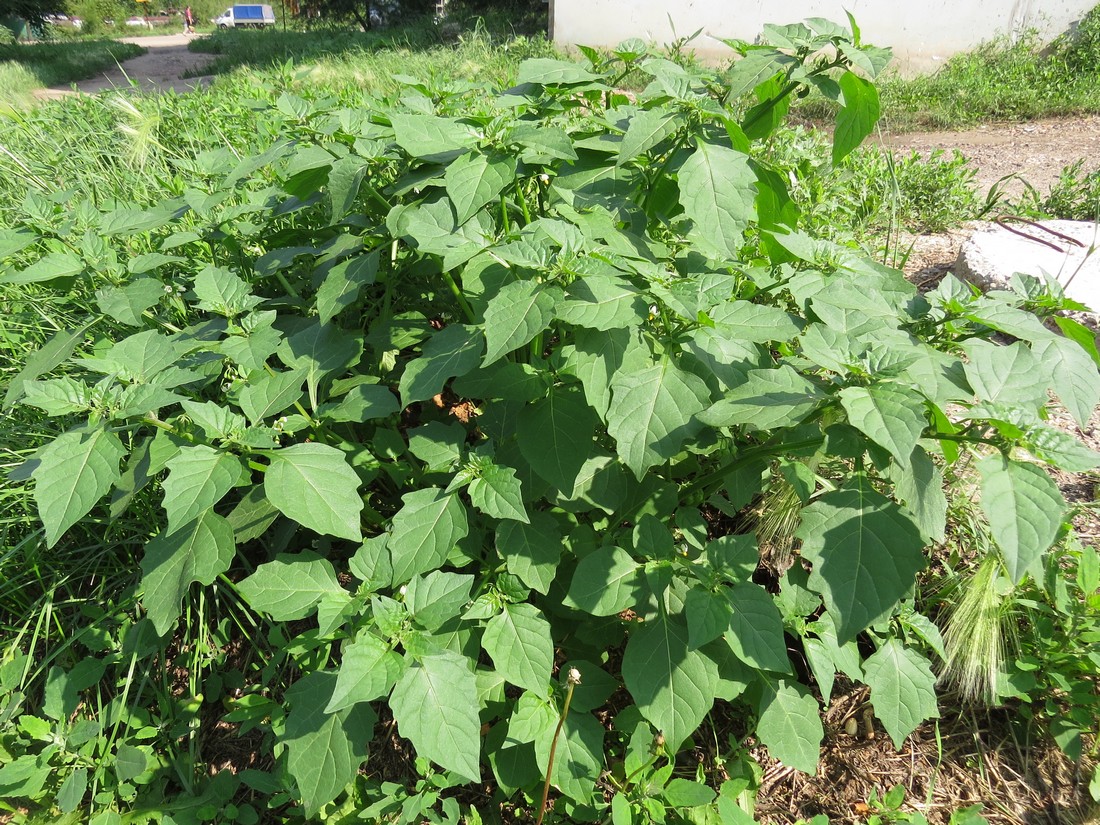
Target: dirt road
<point>159,69</point>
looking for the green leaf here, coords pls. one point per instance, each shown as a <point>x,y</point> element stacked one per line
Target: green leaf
<point>222,291</point>
<point>605,582</point>
<point>72,790</point>
<point>344,180</point>
<point>1024,508</point>
<point>718,193</point>
<point>58,348</point>
<point>437,597</point>
<point>363,402</point>
<point>429,136</point>
<point>602,303</point>
<point>647,129</point>
<point>368,670</point>
<point>597,357</point>
<point>313,484</point>
<point>198,478</point>
<point>579,758</point>
<point>289,587</point>
<point>790,725</point>
<point>1008,374</point>
<point>683,793</point>
<point>454,350</point>
<point>515,315</point>
<point>653,413</point>
<point>555,436</point>
<point>74,471</point>
<point>200,551</point>
<point>903,689</point>
<point>425,530</point>
<point>865,554</point>
<point>435,705</point>
<point>324,750</point>
<point>473,180</point>
<point>858,114</point>
<point>1075,377</point>
<point>271,394</point>
<point>518,641</point>
<point>58,396</point>
<point>769,399</point>
<point>755,632</point>
<point>531,552</point>
<point>126,303</point>
<point>51,267</point>
<point>549,72</point>
<point>320,349</point>
<point>920,487</point>
<point>496,492</point>
<point>130,763</point>
<point>889,414</point>
<point>672,685</point>
<point>342,283</point>
<point>745,321</point>
<point>708,616</point>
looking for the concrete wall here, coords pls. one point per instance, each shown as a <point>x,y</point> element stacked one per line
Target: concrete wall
<point>921,33</point>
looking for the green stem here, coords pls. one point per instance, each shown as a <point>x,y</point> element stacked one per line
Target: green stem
<point>467,310</point>
<point>523,203</point>
<point>745,457</point>
<point>572,682</point>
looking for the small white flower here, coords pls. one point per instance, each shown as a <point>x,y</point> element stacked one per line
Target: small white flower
<point>544,179</point>
<point>226,387</point>
<point>168,289</point>
<point>402,589</point>
<point>574,677</point>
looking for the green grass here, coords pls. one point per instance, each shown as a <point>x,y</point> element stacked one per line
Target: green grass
<point>57,64</point>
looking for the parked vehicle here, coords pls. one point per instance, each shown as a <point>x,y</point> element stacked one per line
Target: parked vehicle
<point>246,16</point>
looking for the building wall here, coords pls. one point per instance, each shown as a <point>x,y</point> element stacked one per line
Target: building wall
<point>921,33</point>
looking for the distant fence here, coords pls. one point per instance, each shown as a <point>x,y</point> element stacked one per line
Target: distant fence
<point>921,33</point>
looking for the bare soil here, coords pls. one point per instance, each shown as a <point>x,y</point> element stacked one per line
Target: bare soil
<point>158,70</point>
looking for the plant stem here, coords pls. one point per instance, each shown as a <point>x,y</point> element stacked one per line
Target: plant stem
<point>572,681</point>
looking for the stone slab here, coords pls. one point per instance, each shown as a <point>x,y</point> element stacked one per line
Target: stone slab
<point>993,254</point>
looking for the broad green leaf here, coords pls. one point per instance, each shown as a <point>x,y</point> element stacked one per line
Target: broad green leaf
<point>289,587</point>
<point>920,487</point>
<point>647,129</point>
<point>605,582</point>
<point>602,303</point>
<point>435,705</point>
<point>891,415</point>
<point>672,685</point>
<point>1024,508</point>
<point>130,762</point>
<point>198,478</point>
<point>342,283</point>
<point>271,394</point>
<point>324,750</point>
<point>496,492</point>
<point>252,515</point>
<point>555,436</point>
<point>531,552</point>
<point>13,240</point>
<point>58,396</point>
<point>320,350</point>
<point>429,136</point>
<point>368,670</point>
<point>903,689</point>
<point>579,758</point>
<point>139,357</point>
<point>58,348</point>
<point>1074,376</point>
<point>683,793</point>
<point>755,632</point>
<point>1009,374</point>
<point>313,484</point>
<point>363,402</point>
<point>708,616</point>
<point>74,471</point>
<point>769,399</point>
<point>718,193</point>
<point>865,553</point>
<point>344,180</point>
<point>425,530</point>
<point>653,412</point>
<point>126,303</point>
<point>437,444</point>
<point>596,358</point>
<point>858,114</point>
<point>518,641</point>
<point>437,597</point>
<point>222,291</point>
<point>454,350</point>
<point>72,790</point>
<point>515,315</point>
<point>789,725</point>
<point>51,267</point>
<point>199,552</point>
<point>753,323</point>
<point>473,180</point>
<point>550,72</point>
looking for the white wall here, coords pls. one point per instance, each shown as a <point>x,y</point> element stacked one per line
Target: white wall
<point>921,33</point>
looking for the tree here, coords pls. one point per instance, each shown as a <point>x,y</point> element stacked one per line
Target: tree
<point>33,11</point>
<point>368,13</point>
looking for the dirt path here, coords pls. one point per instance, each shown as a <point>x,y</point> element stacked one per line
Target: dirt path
<point>159,69</point>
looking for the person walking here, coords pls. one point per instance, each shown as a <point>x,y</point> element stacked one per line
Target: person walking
<point>188,21</point>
